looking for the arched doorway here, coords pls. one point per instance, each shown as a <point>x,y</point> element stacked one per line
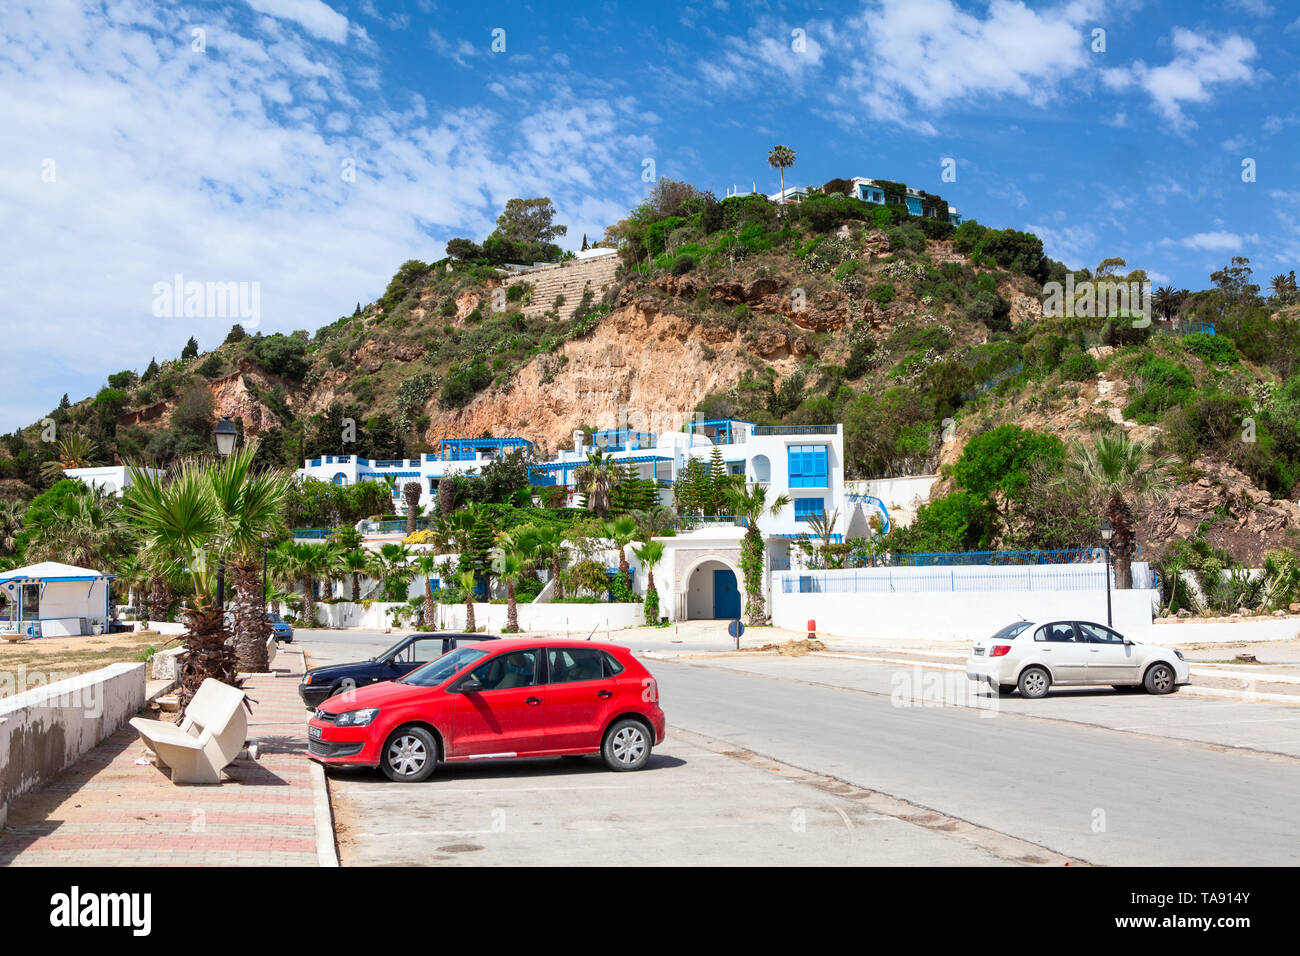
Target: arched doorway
<point>712,592</point>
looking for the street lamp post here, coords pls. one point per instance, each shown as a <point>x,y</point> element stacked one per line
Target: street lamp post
<point>225,433</point>
<point>1106,532</point>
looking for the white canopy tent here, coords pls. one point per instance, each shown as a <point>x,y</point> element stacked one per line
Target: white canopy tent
<point>53,600</point>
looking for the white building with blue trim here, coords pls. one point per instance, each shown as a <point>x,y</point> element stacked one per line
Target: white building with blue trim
<point>803,462</point>
<point>54,600</point>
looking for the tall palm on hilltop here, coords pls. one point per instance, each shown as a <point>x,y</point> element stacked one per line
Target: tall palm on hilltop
<point>781,158</point>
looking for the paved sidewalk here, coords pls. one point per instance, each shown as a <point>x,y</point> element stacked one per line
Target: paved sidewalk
<point>109,810</point>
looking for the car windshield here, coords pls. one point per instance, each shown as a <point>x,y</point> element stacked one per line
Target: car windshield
<point>440,668</point>
<point>274,618</point>
<point>1010,631</point>
<point>391,651</point>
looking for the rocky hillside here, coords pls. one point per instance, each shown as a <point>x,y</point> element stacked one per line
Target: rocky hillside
<point>904,330</point>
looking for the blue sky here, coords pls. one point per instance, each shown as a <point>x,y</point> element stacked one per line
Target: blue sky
<point>311,146</point>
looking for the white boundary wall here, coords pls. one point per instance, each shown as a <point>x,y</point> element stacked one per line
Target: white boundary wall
<point>533,617</point>
<point>46,729</point>
<point>917,610</point>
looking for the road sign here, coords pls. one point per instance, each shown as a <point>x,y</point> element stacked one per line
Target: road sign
<point>736,629</point>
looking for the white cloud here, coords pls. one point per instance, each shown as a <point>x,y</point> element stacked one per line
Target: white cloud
<point>1199,64</point>
<point>1214,241</point>
<point>227,166</point>
<point>931,54</point>
<point>317,18</point>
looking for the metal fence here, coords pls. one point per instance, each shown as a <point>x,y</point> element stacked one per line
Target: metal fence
<point>991,558</point>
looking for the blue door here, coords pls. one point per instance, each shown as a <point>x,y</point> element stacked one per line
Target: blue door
<point>726,596</point>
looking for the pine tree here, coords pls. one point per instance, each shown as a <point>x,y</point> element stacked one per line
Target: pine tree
<point>151,371</point>
<point>63,402</point>
<point>191,349</point>
<point>717,486</point>
<point>585,247</point>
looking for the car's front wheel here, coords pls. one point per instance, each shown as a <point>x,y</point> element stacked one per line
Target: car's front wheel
<point>627,745</point>
<point>1159,679</point>
<point>410,755</point>
<point>1034,682</point>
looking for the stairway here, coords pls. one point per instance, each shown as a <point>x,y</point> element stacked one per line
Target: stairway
<point>569,279</point>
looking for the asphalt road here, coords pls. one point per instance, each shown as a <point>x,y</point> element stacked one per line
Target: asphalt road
<point>1096,794</point>
<point>1100,794</point>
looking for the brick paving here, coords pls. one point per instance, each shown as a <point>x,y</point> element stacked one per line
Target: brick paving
<point>107,810</point>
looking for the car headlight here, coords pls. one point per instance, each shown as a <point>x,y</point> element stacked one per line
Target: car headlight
<point>306,679</point>
<point>357,718</point>
<point>1180,655</point>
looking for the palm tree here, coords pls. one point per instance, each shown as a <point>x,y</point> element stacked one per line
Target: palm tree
<point>595,479</point>
<point>391,482</point>
<point>132,574</point>
<point>650,554</point>
<point>11,523</point>
<point>393,562</point>
<point>823,526</point>
<point>781,158</point>
<point>90,531</point>
<point>251,505</point>
<point>622,531</point>
<point>177,517</point>
<point>548,542</point>
<point>426,566</point>
<point>1118,476</point>
<point>354,562</point>
<point>306,562</point>
<point>411,492</point>
<point>508,563</point>
<point>751,504</point>
<point>74,450</point>
<point>1165,301</point>
<point>466,580</point>
<point>654,522</point>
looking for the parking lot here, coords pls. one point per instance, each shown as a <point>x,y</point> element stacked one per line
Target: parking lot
<point>691,805</point>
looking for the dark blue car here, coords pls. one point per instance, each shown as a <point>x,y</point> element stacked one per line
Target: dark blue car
<point>280,628</point>
<point>322,683</point>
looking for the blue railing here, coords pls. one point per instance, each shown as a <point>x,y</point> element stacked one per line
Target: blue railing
<point>992,558</point>
<point>312,532</point>
<point>795,429</point>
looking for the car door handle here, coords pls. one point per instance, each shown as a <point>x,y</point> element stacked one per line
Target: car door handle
<point>534,701</point>
<point>605,694</point>
<point>1094,650</point>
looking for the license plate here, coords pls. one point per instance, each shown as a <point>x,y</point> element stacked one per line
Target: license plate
<point>313,732</point>
<point>979,652</point>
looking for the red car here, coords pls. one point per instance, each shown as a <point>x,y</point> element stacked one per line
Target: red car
<point>496,700</point>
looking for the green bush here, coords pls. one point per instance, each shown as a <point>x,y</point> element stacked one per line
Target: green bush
<point>1214,349</point>
<point>464,382</point>
<point>1162,385</point>
<point>1079,367</point>
<point>882,293</point>
<point>683,264</point>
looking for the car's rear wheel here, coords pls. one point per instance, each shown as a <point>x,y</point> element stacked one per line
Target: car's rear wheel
<point>1034,682</point>
<point>1159,679</point>
<point>627,745</point>
<point>410,755</point>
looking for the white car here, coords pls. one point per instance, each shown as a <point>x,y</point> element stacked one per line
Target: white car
<point>1031,656</point>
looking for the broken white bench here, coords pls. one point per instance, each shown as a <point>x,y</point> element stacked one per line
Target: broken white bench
<point>208,738</point>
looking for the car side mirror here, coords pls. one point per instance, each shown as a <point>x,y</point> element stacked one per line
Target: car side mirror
<point>470,685</point>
